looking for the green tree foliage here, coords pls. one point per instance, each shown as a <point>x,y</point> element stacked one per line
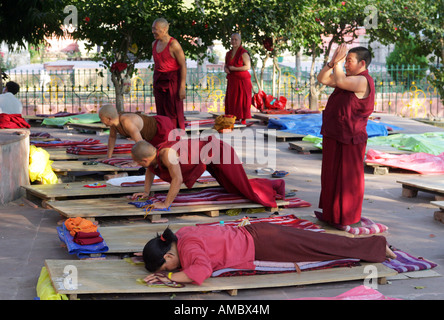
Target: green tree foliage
<point>122,30</point>
<point>407,53</point>
<point>25,22</point>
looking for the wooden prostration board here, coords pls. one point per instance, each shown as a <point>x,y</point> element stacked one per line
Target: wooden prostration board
<point>78,166</point>
<point>61,154</point>
<point>431,183</point>
<point>119,207</point>
<point>120,277</point>
<point>132,238</point>
<point>78,189</point>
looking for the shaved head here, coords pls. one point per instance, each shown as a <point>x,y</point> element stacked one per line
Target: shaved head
<point>142,150</point>
<point>108,111</point>
<point>162,22</point>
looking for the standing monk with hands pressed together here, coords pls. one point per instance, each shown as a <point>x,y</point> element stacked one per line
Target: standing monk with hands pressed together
<point>344,132</point>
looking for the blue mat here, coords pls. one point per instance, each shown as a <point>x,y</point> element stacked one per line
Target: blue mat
<point>310,124</point>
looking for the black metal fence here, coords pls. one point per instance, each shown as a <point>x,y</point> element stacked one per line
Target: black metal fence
<point>402,90</point>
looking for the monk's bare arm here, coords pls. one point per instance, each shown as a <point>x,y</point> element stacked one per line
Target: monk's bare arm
<point>111,141</point>
<point>149,178</point>
<point>356,84</point>
<point>179,55</point>
<point>169,159</point>
<point>247,63</point>
<point>325,76</point>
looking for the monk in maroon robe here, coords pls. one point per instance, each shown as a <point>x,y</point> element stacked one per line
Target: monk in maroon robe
<point>186,160</point>
<point>344,122</point>
<point>239,88</point>
<point>170,72</point>
<point>154,129</point>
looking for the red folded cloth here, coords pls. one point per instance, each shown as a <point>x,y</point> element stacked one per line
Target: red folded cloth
<point>85,238</point>
<point>12,121</point>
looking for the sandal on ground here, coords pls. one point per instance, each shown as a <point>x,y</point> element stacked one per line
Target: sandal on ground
<point>280,174</point>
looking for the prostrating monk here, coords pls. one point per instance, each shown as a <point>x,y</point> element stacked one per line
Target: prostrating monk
<point>186,160</point>
<point>170,72</point>
<point>344,122</point>
<point>154,129</point>
<point>239,87</point>
<point>195,252</point>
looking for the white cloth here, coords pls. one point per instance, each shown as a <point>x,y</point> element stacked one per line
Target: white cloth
<point>10,104</point>
<point>118,181</point>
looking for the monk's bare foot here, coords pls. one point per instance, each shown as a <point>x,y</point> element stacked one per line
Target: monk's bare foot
<point>389,253</point>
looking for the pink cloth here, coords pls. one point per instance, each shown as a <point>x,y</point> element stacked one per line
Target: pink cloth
<point>421,162</point>
<point>359,293</point>
<point>203,249</point>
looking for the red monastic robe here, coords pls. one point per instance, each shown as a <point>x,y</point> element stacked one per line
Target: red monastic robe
<point>344,122</point>
<point>239,87</point>
<point>222,162</point>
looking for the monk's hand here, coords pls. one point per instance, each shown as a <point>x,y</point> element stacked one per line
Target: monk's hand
<point>142,195</point>
<point>160,205</point>
<point>156,277</point>
<point>182,93</point>
<point>340,53</point>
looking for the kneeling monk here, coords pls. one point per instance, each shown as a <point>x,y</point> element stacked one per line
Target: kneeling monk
<point>197,251</point>
<point>154,129</point>
<point>186,160</point>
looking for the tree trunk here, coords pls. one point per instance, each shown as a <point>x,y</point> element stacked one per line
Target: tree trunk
<point>118,87</point>
<point>259,86</point>
<point>1,81</point>
<point>279,72</point>
<point>314,92</point>
<point>264,61</point>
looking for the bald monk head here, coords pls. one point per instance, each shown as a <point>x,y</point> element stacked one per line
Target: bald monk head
<point>108,115</point>
<point>143,153</point>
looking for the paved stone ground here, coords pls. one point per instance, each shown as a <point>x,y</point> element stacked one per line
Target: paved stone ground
<point>28,235</point>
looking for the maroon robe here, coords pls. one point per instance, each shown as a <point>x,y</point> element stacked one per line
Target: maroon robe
<point>166,94</point>
<point>344,123</point>
<point>224,165</point>
<point>166,85</point>
<point>238,96</point>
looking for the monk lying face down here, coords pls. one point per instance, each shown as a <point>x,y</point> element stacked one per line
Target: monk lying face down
<point>194,253</point>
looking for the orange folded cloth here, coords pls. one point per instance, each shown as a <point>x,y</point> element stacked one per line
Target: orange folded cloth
<point>77,224</point>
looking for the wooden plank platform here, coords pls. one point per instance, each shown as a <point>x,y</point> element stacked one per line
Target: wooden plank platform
<point>98,128</point>
<point>280,135</point>
<point>61,154</point>
<point>431,184</point>
<point>203,127</point>
<point>438,215</point>
<point>120,277</point>
<point>119,207</point>
<point>77,189</point>
<point>304,147</point>
<point>132,238</point>
<point>65,166</point>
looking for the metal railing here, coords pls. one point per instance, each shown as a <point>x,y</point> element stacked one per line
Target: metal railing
<point>402,90</point>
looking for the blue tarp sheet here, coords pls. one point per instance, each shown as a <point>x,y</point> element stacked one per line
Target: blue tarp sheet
<point>310,124</point>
